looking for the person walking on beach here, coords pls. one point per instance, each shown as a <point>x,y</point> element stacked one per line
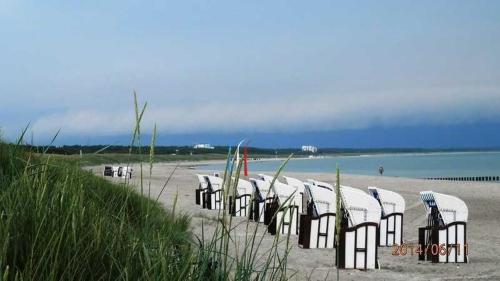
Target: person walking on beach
<point>381,170</point>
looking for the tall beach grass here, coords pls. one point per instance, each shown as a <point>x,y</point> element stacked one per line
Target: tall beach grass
<point>59,222</point>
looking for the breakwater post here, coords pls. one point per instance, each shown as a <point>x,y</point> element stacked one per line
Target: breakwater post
<point>477,178</point>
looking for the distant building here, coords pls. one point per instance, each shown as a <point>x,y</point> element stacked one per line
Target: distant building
<point>203,146</point>
<point>309,148</point>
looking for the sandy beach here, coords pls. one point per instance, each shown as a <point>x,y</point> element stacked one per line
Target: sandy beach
<point>483,227</point>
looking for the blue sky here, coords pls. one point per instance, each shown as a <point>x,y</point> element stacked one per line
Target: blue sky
<point>402,73</point>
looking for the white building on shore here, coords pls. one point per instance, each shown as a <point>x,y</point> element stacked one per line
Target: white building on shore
<point>309,148</point>
<point>203,146</point>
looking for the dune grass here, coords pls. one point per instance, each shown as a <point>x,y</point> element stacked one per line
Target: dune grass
<point>61,223</point>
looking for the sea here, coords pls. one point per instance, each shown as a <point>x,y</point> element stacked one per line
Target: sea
<point>412,165</point>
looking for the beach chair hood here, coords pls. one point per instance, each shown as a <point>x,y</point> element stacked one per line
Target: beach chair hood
<point>451,208</point>
<point>244,187</point>
<point>202,181</point>
<point>324,199</point>
<point>391,202</point>
<point>296,183</point>
<point>264,187</point>
<point>285,191</point>
<point>360,206</point>
<point>215,182</point>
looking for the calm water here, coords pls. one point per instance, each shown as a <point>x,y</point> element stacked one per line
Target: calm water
<point>403,165</point>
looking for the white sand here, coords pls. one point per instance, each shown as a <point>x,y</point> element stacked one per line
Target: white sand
<point>483,227</point>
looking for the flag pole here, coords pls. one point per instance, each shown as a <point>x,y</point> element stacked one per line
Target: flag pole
<point>245,160</point>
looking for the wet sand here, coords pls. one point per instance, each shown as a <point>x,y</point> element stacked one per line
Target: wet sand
<point>483,227</point>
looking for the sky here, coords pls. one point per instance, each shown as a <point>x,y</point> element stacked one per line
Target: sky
<point>281,73</point>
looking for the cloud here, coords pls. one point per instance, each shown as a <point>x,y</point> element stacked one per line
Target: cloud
<point>232,68</point>
<point>290,114</point>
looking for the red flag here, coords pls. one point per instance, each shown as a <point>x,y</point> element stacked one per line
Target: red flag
<point>245,160</point>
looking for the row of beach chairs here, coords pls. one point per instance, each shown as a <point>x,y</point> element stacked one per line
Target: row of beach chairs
<point>117,172</point>
<point>368,219</point>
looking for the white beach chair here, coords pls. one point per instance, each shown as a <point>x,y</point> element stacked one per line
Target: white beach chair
<point>202,188</point>
<point>283,212</point>
<point>444,238</point>
<point>317,225</point>
<point>213,197</point>
<point>263,195</point>
<point>116,171</point>
<point>126,172</point>
<point>391,223</point>
<point>299,185</point>
<point>358,238</point>
<point>240,206</point>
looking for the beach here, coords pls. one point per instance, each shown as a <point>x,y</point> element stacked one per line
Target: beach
<point>483,226</point>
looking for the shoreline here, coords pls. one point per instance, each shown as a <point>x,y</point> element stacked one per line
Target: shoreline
<point>453,166</point>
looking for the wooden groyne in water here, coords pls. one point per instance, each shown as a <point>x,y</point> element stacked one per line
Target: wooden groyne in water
<point>488,178</point>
